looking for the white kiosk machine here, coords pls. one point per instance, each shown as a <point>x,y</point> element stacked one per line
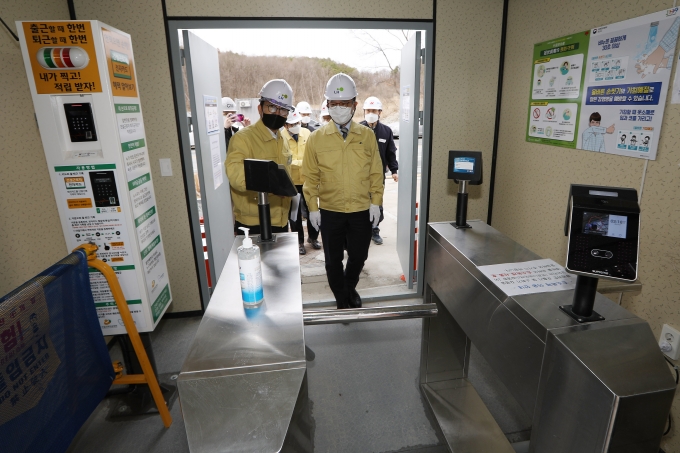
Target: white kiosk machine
<point>84,86</point>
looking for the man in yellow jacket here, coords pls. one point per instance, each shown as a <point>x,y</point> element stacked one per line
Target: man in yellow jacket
<point>344,189</point>
<point>295,139</point>
<point>261,140</point>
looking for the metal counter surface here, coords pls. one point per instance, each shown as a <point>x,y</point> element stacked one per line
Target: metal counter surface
<point>483,245</point>
<point>229,342</point>
<point>242,376</point>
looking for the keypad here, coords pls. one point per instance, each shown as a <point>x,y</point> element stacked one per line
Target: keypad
<point>80,122</point>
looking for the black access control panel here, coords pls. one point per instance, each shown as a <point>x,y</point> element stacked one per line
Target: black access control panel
<point>80,122</point>
<point>465,166</point>
<point>603,226</point>
<point>104,189</point>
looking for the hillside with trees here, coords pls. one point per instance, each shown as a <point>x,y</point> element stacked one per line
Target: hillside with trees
<point>242,76</point>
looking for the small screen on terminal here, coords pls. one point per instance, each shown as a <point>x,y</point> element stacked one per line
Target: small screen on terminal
<point>464,165</point>
<point>605,224</point>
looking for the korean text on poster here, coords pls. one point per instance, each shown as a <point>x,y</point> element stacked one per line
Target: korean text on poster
<point>625,79</point>
<point>63,57</point>
<point>28,359</point>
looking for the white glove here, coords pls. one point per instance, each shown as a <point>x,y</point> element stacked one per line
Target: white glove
<point>315,219</point>
<point>374,215</point>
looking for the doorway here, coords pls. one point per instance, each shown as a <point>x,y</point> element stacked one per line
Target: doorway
<point>383,277</point>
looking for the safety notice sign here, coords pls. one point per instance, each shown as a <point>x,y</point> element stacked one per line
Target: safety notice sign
<point>63,57</point>
<point>529,277</point>
<point>604,89</point>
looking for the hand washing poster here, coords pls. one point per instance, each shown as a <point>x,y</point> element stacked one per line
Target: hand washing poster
<point>604,89</point>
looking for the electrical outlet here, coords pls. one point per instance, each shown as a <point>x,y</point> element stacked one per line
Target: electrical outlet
<point>672,337</point>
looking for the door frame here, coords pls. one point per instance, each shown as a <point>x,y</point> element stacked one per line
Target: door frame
<point>175,55</point>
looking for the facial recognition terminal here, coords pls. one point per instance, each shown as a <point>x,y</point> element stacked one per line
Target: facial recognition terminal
<point>603,225</point>
<point>465,167</point>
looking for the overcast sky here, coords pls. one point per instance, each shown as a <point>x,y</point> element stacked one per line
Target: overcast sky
<point>344,46</point>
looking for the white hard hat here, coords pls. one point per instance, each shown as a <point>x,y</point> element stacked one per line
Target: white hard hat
<point>324,110</point>
<point>228,105</point>
<point>303,107</point>
<point>278,92</point>
<point>341,87</point>
<point>372,103</point>
<point>293,117</point>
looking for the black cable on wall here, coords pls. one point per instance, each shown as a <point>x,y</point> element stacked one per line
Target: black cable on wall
<point>71,10</point>
<point>9,29</point>
<point>499,96</point>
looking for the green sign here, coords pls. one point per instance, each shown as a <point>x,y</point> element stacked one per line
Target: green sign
<point>151,246</point>
<point>146,216</point>
<point>134,144</point>
<point>85,167</point>
<point>160,303</point>
<point>127,108</point>
<point>139,181</point>
<point>557,80</point>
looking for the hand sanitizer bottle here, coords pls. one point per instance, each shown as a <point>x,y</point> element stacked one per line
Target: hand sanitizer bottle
<point>250,271</point>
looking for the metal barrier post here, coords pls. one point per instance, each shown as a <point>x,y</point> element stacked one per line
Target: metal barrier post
<point>148,377</point>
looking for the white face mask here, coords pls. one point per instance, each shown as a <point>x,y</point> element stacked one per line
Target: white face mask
<point>294,129</point>
<point>371,118</point>
<point>323,122</point>
<point>341,115</point>
<point>305,119</point>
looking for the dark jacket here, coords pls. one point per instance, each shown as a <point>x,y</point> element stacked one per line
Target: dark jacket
<point>311,126</point>
<point>228,133</point>
<point>388,150</point>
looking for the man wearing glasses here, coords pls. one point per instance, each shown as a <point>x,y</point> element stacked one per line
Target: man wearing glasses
<point>261,140</point>
<point>343,188</point>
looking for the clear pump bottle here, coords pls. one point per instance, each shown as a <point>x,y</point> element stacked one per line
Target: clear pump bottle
<point>250,270</point>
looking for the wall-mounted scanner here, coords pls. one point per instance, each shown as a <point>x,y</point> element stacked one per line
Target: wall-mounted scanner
<point>603,226</point>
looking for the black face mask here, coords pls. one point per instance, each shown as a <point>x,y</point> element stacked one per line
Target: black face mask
<point>273,121</point>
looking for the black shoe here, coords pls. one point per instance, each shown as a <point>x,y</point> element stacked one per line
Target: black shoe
<point>316,245</point>
<point>353,298</point>
<point>376,237</point>
<point>341,300</point>
<point>302,249</point>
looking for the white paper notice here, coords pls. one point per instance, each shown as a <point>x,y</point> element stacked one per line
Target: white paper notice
<point>529,277</point>
<point>212,114</point>
<point>216,160</point>
<point>406,103</point>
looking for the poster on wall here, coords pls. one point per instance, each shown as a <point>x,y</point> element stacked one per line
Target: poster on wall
<point>604,89</point>
<point>63,57</point>
<point>143,202</point>
<point>91,194</point>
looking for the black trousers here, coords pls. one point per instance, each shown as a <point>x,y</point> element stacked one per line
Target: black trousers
<point>336,228</point>
<point>297,225</point>
<point>382,217</point>
<point>255,229</point>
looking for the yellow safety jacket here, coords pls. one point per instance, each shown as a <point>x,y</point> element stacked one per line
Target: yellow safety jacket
<point>255,142</point>
<point>297,150</point>
<point>342,175</point>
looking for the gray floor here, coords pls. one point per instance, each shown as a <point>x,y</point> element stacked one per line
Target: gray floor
<point>363,386</point>
<point>363,391</point>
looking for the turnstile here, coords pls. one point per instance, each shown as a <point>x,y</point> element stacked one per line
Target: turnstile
<point>593,387</point>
